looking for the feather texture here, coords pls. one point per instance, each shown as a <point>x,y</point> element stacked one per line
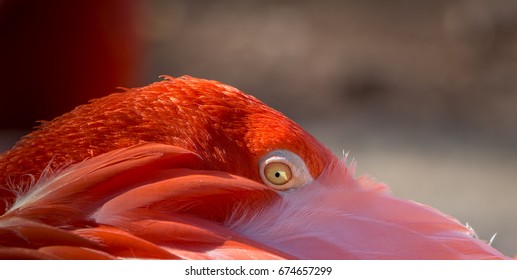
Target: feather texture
<point>145,201</point>
<point>339,217</point>
<point>105,208</point>
<point>170,171</point>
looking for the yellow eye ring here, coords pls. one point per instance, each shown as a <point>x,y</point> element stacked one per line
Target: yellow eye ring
<point>278,173</point>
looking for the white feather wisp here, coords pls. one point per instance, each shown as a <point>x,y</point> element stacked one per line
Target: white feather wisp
<point>340,217</point>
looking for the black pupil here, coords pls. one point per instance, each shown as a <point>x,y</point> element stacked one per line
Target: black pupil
<point>277,174</point>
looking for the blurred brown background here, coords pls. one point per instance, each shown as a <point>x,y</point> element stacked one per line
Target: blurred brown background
<point>422,93</point>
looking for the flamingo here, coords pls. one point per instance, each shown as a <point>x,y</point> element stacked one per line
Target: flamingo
<point>187,168</point>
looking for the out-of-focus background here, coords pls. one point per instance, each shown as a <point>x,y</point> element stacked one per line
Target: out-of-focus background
<point>423,94</point>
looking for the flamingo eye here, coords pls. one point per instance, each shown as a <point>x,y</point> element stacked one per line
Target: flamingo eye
<point>283,170</point>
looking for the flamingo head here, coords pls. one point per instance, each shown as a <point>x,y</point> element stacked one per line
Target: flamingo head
<point>231,131</point>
